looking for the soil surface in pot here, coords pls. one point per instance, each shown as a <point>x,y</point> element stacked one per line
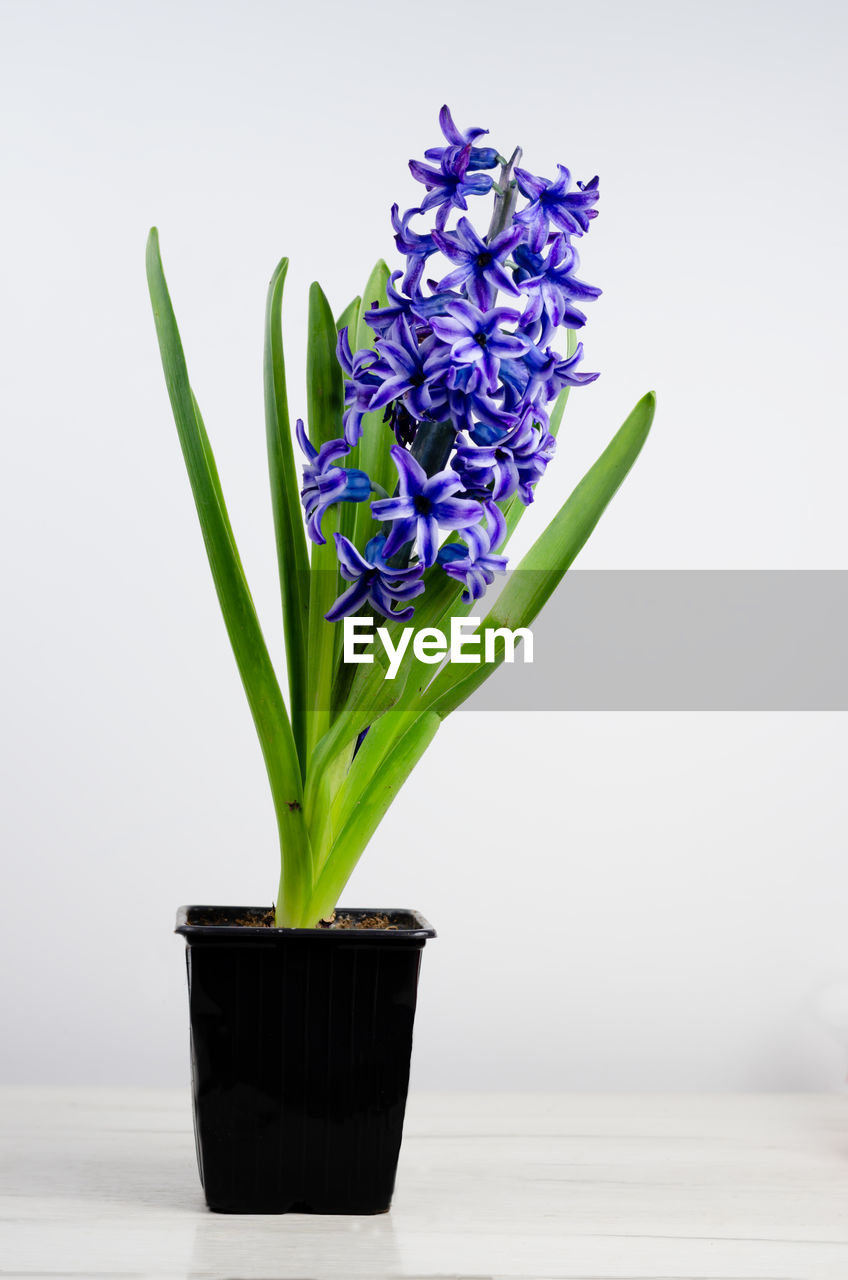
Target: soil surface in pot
<point>265,920</point>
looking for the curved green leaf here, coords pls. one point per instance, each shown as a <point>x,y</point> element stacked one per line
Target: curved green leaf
<point>251,654</point>
<point>325,402</point>
<point>349,316</point>
<point>372,452</point>
<point>292,558</point>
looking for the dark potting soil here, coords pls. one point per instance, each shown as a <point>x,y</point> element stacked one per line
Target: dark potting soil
<point>265,920</point>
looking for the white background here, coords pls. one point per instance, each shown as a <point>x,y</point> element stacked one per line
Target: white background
<point>623,901</point>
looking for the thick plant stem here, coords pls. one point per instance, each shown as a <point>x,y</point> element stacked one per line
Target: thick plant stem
<point>370,810</point>
<point>504,204</point>
<point>295,887</point>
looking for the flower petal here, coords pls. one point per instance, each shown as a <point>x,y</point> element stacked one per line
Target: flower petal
<point>458,513</point>
<point>427,541</point>
<point>411,475</point>
<point>349,601</point>
<point>393,509</point>
<point>349,557</point>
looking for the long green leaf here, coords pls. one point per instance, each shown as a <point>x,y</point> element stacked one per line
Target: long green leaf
<point>349,316</point>
<point>324,381</point>
<point>347,510</point>
<point>372,452</point>
<point>292,557</point>
<point>251,654</point>
<point>325,401</point>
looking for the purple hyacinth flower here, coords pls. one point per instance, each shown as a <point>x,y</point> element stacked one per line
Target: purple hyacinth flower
<point>325,484</point>
<point>557,372</point>
<point>571,211</point>
<point>361,383</point>
<point>423,505</point>
<point>476,573</point>
<point>411,370</point>
<point>511,462</point>
<point>481,264</point>
<point>416,310</point>
<point>520,379</point>
<point>552,290</point>
<point>380,318</point>
<point>526,263</point>
<point>416,248</point>
<point>375,582</point>
<point>469,406</point>
<point>480,157</point>
<point>474,337</point>
<point>474,563</point>
<point>448,186</point>
<point>532,447</point>
<point>487,467</point>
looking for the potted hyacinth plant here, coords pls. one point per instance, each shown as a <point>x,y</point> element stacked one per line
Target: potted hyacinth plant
<point>433,407</point>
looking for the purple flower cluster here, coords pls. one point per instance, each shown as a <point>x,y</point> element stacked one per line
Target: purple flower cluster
<point>465,382</point>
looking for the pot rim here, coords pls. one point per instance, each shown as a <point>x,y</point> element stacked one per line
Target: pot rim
<point>419,930</point>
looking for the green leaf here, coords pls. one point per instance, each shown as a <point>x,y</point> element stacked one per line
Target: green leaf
<point>325,402</point>
<point>324,380</point>
<point>251,654</point>
<point>349,316</point>
<point>372,453</point>
<point>292,557</point>
<point>349,319</point>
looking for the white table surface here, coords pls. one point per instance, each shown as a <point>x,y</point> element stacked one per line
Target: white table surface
<point>103,1183</point>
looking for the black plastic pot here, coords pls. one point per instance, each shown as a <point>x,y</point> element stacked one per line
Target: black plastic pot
<point>300,1048</point>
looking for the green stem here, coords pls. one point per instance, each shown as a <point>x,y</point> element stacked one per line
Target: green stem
<point>369,812</point>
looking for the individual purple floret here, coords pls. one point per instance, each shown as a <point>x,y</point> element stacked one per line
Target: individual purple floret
<point>423,505</point>
<point>480,157</point>
<point>416,248</point>
<point>550,202</point>
<point>474,562</point>
<point>360,386</point>
<point>324,483</point>
<point>416,309</point>
<point>507,463</point>
<point>375,582</point>
<point>475,337</point>
<point>557,373</point>
<point>476,575</point>
<point>410,370</point>
<point>552,289</point>
<point>450,184</point>
<point>469,404</point>
<point>481,267</point>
